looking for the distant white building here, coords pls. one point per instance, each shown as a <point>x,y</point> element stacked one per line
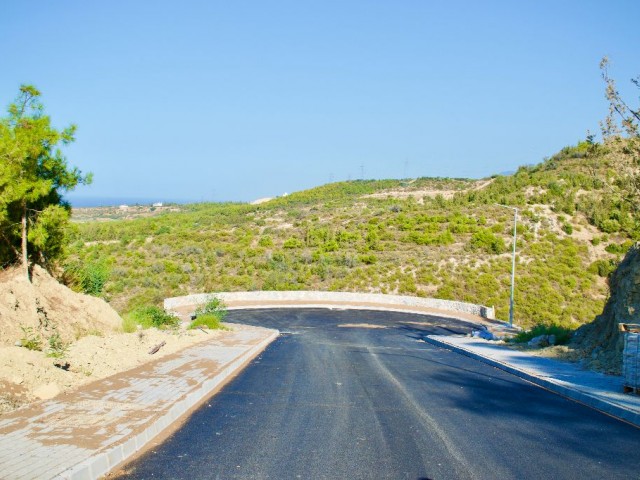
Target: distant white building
<point>157,204</point>
<point>124,207</point>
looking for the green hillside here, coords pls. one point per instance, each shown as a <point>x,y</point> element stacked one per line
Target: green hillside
<point>443,238</point>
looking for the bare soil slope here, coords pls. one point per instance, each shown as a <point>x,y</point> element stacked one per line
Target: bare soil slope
<point>47,307</point>
<point>90,345</point>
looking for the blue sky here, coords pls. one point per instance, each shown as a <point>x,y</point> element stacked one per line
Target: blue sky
<point>216,101</point>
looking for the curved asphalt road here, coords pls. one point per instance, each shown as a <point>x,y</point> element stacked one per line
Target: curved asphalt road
<point>325,401</point>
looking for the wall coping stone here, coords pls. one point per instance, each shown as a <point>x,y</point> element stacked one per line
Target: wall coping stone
<point>235,300</point>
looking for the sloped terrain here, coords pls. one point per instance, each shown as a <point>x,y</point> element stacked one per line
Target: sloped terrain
<point>435,237</point>
<point>600,341</point>
<point>45,308</point>
<point>67,339</point>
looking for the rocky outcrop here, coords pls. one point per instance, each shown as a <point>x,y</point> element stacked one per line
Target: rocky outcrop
<point>601,341</point>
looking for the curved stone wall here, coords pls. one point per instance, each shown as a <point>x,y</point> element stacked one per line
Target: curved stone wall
<point>372,301</point>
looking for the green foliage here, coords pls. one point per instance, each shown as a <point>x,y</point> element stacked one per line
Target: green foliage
<point>214,307</point>
<point>151,316</point>
<point>30,340</point>
<point>266,241</point>
<point>207,320</point>
<point>619,248</point>
<point>484,239</point>
<point>33,176</point>
<point>567,228</point>
<point>350,241</point>
<point>293,243</point>
<point>602,267</point>
<point>89,278</point>
<point>562,334</point>
<point>57,348</point>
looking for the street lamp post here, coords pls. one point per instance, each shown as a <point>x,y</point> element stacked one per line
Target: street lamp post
<point>513,260</point>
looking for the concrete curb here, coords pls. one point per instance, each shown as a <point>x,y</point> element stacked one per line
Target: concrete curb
<point>554,385</point>
<point>301,298</point>
<point>103,462</point>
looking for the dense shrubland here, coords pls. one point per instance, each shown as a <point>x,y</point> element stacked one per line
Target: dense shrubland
<point>448,239</point>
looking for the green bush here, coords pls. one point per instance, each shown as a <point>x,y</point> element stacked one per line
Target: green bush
<point>292,243</point>
<point>214,307</point>
<point>150,316</point>
<point>265,241</point>
<point>602,268</point>
<point>89,278</point>
<point>618,247</point>
<point>208,320</point>
<point>484,239</point>
<point>563,335</point>
<point>567,228</point>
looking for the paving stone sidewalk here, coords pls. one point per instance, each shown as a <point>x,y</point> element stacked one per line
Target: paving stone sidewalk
<point>597,390</point>
<point>84,434</point>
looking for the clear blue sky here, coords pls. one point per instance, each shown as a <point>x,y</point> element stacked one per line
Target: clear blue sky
<point>236,100</point>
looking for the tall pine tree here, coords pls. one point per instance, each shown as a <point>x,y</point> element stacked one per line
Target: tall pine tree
<point>33,176</point>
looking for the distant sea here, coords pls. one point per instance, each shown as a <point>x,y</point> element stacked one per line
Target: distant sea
<point>84,202</point>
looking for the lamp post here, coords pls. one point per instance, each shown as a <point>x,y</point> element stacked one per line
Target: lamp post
<point>513,260</point>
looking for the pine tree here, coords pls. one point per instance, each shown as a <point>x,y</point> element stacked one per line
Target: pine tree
<point>33,176</point>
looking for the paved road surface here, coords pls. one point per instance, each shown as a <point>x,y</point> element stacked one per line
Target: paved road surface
<point>326,401</point>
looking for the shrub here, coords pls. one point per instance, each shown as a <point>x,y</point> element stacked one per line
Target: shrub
<point>207,320</point>
<point>602,267</point>
<point>562,334</point>
<point>292,243</point>
<point>485,240</point>
<point>265,241</point>
<point>151,316</point>
<point>618,247</point>
<point>214,307</point>
<point>89,278</point>
<point>368,259</point>
<point>567,228</point>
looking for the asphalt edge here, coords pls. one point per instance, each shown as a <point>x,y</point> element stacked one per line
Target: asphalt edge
<point>584,398</point>
<point>106,460</point>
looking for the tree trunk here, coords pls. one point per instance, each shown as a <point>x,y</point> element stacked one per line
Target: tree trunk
<point>25,262</point>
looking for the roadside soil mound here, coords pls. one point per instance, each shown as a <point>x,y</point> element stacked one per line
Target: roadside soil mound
<point>44,308</point>
<point>88,343</point>
<point>27,375</point>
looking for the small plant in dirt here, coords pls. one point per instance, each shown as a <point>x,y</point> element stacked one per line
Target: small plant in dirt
<point>57,348</point>
<point>30,340</point>
<point>150,316</point>
<point>563,335</point>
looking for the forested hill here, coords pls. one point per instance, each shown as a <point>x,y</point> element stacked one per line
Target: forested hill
<point>444,238</point>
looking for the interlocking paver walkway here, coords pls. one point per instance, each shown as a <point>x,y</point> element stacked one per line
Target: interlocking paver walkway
<point>597,390</point>
<point>85,433</point>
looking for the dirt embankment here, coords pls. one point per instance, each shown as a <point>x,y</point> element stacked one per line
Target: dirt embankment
<point>87,340</point>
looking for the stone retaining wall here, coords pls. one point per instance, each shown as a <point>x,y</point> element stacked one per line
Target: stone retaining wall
<point>236,300</point>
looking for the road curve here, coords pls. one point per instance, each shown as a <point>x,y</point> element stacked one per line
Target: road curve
<point>358,395</point>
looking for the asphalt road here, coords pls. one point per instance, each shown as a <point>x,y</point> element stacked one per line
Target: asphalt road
<point>329,401</point>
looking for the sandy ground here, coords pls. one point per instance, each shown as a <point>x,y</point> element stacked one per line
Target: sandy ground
<point>27,376</point>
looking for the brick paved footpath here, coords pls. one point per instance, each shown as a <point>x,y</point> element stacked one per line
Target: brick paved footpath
<point>86,433</point>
